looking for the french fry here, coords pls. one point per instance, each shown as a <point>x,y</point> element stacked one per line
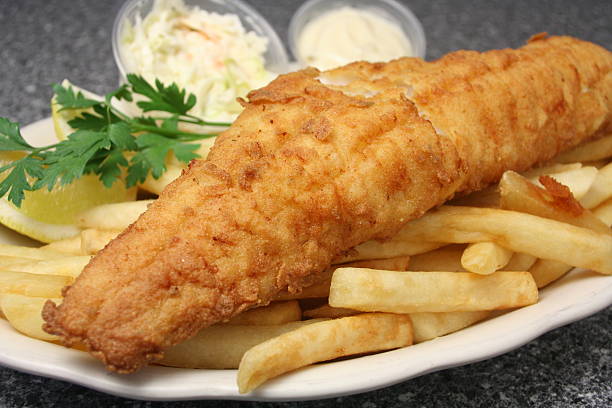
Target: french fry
<point>519,194</point>
<point>68,266</point>
<point>321,289</point>
<point>600,190</point>
<point>321,342</point>
<point>579,181</point>
<point>544,232</point>
<point>205,144</point>
<point>7,261</point>
<point>156,186</point>
<point>554,202</point>
<point>409,292</point>
<point>33,285</point>
<point>520,262</point>
<point>387,249</point>
<point>484,258</point>
<point>68,246</point>
<point>24,314</point>
<point>537,236</point>
<point>595,150</point>
<point>327,311</point>
<point>604,212</point>
<point>546,271</point>
<point>93,240</point>
<point>274,313</point>
<point>117,216</point>
<point>427,326</point>
<point>16,251</point>
<point>445,259</point>
<point>222,346</point>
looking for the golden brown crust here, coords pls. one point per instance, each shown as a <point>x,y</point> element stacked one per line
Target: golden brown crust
<point>553,93</point>
<point>558,195</point>
<point>316,164</point>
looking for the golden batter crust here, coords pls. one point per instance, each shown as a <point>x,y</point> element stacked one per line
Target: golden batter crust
<point>316,164</point>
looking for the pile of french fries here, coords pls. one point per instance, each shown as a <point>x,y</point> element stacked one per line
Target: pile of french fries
<point>491,250</point>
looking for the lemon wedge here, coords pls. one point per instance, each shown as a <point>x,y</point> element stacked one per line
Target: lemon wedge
<point>62,117</point>
<point>50,216</point>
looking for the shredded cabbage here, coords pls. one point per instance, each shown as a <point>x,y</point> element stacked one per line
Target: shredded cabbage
<point>209,54</point>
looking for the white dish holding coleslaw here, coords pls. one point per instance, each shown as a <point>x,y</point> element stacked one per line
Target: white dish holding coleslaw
<point>218,50</point>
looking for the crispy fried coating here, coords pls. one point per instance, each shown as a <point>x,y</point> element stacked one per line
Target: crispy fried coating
<point>316,164</point>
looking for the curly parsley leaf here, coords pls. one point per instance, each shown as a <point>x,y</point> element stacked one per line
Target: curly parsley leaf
<point>119,134</point>
<point>106,141</point>
<point>16,182</point>
<point>151,156</point>
<point>94,121</point>
<point>67,98</point>
<point>10,137</point>
<point>121,93</point>
<point>70,157</point>
<point>109,170</point>
<point>169,99</point>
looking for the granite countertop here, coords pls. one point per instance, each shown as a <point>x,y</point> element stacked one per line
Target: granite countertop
<point>43,42</point>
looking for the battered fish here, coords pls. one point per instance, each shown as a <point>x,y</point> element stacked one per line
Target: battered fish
<point>316,164</point>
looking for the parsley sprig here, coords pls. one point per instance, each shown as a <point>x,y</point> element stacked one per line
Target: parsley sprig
<point>106,141</point>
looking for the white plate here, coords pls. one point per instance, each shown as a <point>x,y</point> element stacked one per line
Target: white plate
<point>577,295</point>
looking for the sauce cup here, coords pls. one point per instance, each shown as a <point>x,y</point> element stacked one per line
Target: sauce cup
<point>276,59</point>
<point>389,9</point>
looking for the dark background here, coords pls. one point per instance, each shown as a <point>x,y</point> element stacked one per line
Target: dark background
<point>43,42</point>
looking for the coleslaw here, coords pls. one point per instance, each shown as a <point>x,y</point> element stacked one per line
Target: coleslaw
<point>209,54</point>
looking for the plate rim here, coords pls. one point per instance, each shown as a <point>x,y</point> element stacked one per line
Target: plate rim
<point>90,373</point>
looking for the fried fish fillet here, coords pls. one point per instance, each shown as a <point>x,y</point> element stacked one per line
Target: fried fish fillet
<point>316,164</point>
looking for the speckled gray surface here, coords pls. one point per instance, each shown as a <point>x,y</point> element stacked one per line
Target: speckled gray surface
<point>42,42</point>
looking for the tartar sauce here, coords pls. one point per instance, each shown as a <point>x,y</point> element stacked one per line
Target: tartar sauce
<point>348,34</point>
<point>209,54</point>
